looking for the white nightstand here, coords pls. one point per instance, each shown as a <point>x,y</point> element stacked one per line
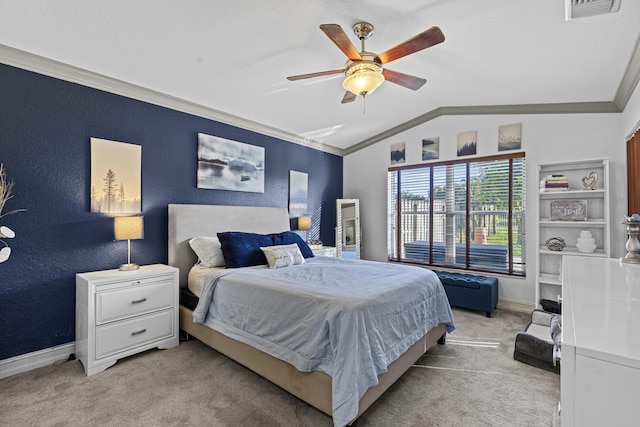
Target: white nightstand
<point>324,251</point>
<point>120,313</point>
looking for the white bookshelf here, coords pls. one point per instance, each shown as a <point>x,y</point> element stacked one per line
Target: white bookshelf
<point>548,262</point>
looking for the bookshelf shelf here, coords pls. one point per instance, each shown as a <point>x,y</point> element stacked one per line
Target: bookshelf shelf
<point>548,262</point>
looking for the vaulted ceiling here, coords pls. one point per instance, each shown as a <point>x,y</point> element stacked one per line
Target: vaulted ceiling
<point>229,60</point>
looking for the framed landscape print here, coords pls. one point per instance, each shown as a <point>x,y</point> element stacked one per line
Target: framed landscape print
<point>430,148</point>
<point>115,177</point>
<point>467,143</point>
<point>298,189</point>
<point>224,164</point>
<point>510,137</point>
<point>397,153</point>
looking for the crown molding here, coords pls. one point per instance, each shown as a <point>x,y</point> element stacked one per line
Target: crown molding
<point>560,108</point>
<point>630,78</point>
<point>49,67</point>
<point>628,84</point>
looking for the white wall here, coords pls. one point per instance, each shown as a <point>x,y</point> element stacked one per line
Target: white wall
<point>631,114</point>
<point>545,138</point>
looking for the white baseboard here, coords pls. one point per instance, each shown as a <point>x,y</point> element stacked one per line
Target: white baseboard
<point>517,306</point>
<point>48,356</point>
<point>36,359</point>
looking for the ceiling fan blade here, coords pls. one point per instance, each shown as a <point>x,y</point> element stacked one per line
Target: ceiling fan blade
<point>406,80</point>
<point>425,39</point>
<point>319,74</point>
<point>348,97</point>
<point>339,37</point>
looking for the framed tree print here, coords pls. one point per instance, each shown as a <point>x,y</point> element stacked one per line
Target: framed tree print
<point>115,177</point>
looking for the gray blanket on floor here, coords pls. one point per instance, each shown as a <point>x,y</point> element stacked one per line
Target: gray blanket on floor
<point>556,330</point>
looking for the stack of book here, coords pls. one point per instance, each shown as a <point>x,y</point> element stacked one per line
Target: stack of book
<point>554,183</point>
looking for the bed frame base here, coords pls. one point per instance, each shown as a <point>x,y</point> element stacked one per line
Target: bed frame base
<point>312,387</point>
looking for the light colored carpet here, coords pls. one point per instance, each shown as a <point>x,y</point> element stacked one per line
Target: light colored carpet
<point>471,381</point>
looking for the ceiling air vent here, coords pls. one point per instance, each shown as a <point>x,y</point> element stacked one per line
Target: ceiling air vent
<point>582,8</point>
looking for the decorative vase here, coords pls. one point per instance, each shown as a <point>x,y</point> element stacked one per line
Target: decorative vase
<point>633,245</point>
<point>586,243</point>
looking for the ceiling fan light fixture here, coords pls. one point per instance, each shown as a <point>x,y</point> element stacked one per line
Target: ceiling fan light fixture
<point>363,78</point>
<point>363,70</point>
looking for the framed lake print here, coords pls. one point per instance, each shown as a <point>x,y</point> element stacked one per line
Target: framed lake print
<point>431,148</point>
<point>224,164</point>
<point>510,137</point>
<point>298,190</point>
<point>115,177</point>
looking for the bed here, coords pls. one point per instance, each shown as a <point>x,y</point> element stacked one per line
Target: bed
<point>327,381</point>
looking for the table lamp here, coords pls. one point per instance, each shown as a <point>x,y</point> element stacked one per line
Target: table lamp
<point>128,228</point>
<point>304,224</point>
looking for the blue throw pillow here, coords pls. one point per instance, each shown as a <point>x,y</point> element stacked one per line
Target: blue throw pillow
<point>243,249</point>
<point>289,237</point>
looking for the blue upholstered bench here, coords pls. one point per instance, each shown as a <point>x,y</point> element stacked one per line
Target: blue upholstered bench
<point>470,291</point>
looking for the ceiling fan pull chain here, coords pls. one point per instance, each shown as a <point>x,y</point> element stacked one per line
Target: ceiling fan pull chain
<point>364,104</point>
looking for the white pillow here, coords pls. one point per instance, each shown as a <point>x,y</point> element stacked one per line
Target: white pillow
<point>209,251</point>
<point>283,255</point>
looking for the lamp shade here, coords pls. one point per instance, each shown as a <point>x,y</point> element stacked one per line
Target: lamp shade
<point>363,79</point>
<point>128,227</point>
<point>304,223</point>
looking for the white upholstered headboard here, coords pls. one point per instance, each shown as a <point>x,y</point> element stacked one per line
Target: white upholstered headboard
<point>187,221</point>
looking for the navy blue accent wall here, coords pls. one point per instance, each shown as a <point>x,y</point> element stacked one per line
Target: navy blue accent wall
<point>45,130</point>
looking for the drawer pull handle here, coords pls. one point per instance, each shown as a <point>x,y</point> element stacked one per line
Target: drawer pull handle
<point>138,301</point>
<point>141,331</point>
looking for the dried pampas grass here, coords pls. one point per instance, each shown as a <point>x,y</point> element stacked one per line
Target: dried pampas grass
<point>5,195</point>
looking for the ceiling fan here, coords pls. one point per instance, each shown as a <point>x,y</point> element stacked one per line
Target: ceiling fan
<point>364,70</point>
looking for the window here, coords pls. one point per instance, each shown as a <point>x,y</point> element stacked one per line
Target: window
<point>466,214</point>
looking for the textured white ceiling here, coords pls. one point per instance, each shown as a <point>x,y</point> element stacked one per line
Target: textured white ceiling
<point>234,56</point>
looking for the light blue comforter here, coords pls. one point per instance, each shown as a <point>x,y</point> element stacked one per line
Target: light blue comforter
<point>347,318</point>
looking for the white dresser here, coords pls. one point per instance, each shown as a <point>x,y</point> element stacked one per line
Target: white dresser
<point>600,368</point>
<point>120,313</point>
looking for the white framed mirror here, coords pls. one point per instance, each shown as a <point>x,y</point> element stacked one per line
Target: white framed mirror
<point>348,228</point>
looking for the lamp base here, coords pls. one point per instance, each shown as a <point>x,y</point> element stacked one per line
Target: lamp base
<point>128,267</point>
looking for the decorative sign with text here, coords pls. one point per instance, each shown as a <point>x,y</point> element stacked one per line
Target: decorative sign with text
<point>568,210</point>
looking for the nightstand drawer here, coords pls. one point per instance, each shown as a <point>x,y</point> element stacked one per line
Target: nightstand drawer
<point>120,303</point>
<point>127,334</point>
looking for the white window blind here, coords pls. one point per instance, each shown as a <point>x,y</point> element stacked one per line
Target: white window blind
<point>466,214</point>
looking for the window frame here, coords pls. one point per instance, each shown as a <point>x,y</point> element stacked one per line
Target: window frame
<point>396,236</point>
